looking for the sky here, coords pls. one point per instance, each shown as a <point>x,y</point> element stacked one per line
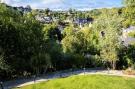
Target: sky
<point>66,4</point>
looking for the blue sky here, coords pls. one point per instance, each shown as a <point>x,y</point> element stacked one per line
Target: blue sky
<point>66,4</point>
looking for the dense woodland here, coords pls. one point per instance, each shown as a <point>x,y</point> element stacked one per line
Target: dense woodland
<point>28,47</point>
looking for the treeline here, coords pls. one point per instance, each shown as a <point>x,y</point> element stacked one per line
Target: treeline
<point>28,47</point>
<point>22,43</point>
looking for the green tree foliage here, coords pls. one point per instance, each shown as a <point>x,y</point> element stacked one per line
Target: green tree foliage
<point>3,65</point>
<point>40,62</point>
<point>126,55</point>
<point>131,56</point>
<point>21,41</point>
<point>53,36</point>
<point>81,42</point>
<point>129,2</point>
<point>128,13</point>
<point>27,46</point>
<point>47,11</point>
<point>109,30</point>
<point>131,34</point>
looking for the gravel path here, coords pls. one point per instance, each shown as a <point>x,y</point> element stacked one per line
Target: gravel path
<point>23,82</point>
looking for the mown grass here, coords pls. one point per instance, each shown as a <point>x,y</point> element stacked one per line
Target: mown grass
<point>86,82</point>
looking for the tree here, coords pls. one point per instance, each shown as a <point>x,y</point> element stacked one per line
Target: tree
<point>3,65</point>
<point>21,40</point>
<point>81,42</point>
<point>128,13</point>
<point>130,55</point>
<point>109,42</point>
<point>129,2</point>
<point>40,62</point>
<point>109,54</point>
<point>47,11</point>
<point>29,7</point>
<point>52,36</point>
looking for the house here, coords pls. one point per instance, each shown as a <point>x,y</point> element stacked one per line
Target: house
<point>62,25</point>
<point>130,29</point>
<point>125,38</point>
<point>55,19</point>
<point>48,19</point>
<point>82,21</point>
<point>39,18</point>
<point>126,31</point>
<point>44,19</point>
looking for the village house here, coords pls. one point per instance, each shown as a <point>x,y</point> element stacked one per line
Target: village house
<point>82,21</point>
<point>128,30</point>
<point>44,19</point>
<point>126,39</point>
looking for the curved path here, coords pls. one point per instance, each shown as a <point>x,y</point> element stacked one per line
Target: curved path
<point>24,82</point>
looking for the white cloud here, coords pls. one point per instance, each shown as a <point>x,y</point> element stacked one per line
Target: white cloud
<point>11,1</point>
<point>51,1</point>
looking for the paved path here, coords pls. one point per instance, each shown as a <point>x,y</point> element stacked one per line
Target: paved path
<point>24,82</point>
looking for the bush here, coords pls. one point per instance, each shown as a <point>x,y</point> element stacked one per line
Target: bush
<point>129,71</point>
<point>131,34</point>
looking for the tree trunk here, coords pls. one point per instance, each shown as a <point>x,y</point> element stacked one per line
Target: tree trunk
<point>45,69</point>
<point>114,65</point>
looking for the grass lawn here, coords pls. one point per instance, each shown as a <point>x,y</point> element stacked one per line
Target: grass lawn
<point>86,82</point>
